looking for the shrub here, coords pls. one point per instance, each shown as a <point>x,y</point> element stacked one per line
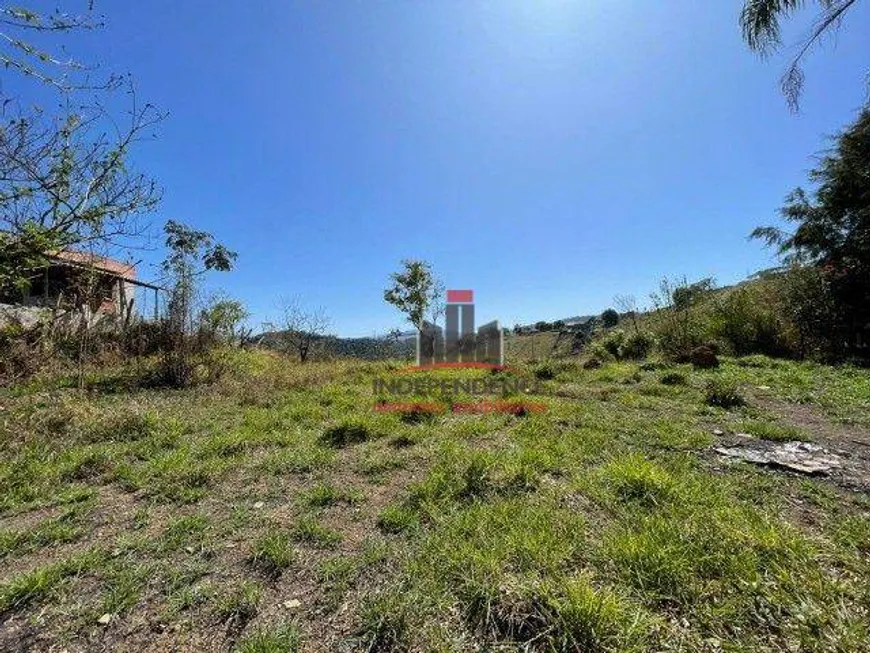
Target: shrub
<point>677,320</point>
<point>637,345</point>
<point>598,351</point>
<point>272,553</point>
<point>723,394</point>
<point>21,352</point>
<point>613,341</point>
<point>673,378</point>
<point>609,318</point>
<point>545,371</point>
<point>748,319</point>
<point>592,364</point>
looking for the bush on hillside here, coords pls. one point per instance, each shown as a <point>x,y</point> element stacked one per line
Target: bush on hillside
<point>637,346</point>
<point>609,318</point>
<point>749,320</point>
<point>677,320</point>
<point>612,342</point>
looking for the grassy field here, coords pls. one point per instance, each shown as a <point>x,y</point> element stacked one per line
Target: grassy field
<point>277,511</point>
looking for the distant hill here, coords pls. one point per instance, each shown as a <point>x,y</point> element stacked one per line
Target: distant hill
<point>573,321</point>
<point>370,348</point>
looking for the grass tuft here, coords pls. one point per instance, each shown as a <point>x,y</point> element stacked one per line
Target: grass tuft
<point>312,532</point>
<point>398,519</point>
<point>273,552</point>
<point>283,638</point>
<point>772,431</point>
<point>324,494</point>
<point>39,583</point>
<point>346,433</point>
<point>635,479</point>
<point>238,605</point>
<point>673,378</point>
<point>723,394</point>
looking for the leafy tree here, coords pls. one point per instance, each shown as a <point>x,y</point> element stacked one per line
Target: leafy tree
<point>685,295</point>
<point>68,184</point>
<point>415,290</point>
<point>66,181</point>
<point>192,253</point>
<point>609,318</point>
<point>833,226</point>
<point>760,23</point>
<point>223,318</point>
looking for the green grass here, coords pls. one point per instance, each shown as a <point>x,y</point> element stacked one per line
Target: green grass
<point>236,605</point>
<point>772,431</point>
<point>604,524</point>
<point>346,433</point>
<point>723,394</point>
<point>190,532</point>
<point>397,519</point>
<point>42,582</point>
<point>310,531</point>
<point>634,479</point>
<point>273,552</point>
<point>283,638</point>
<point>325,494</point>
<point>67,527</point>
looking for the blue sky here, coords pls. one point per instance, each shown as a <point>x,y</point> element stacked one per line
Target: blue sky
<point>547,154</point>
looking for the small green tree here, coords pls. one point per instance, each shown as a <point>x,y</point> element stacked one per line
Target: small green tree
<point>222,319</point>
<point>832,232</point>
<point>191,254</point>
<point>414,291</point>
<point>609,318</point>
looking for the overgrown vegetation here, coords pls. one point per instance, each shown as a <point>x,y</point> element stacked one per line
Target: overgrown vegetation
<point>249,513</point>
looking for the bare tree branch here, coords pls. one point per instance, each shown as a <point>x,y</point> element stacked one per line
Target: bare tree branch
<point>300,328</point>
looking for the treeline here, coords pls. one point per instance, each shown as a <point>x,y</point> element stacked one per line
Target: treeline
<point>789,313</point>
<point>816,305</point>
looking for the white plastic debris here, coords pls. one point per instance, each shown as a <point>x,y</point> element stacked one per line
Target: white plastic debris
<point>795,456</point>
